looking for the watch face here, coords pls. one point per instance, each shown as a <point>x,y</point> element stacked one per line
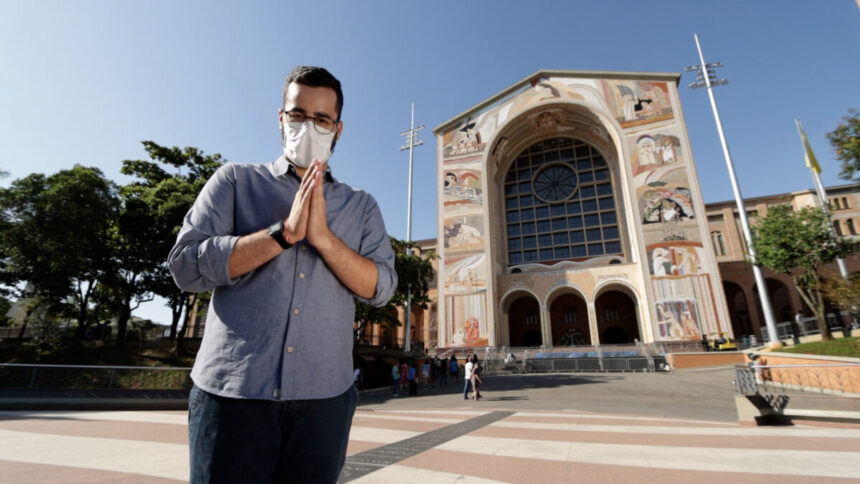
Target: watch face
<point>555,183</point>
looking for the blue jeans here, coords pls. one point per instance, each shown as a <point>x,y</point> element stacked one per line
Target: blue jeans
<point>235,440</point>
<point>467,388</point>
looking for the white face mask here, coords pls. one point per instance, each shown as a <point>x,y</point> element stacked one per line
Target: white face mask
<point>303,144</point>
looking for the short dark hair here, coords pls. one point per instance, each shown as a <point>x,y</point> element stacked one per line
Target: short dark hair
<point>315,77</point>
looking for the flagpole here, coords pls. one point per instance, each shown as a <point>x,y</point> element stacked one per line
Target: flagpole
<point>819,188</point>
<point>705,73</point>
<point>412,141</point>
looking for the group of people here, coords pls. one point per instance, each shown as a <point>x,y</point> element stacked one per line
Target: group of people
<point>431,372</point>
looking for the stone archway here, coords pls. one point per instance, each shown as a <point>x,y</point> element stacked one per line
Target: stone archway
<point>780,301</point>
<point>524,322</point>
<point>616,318</point>
<point>738,309</point>
<point>569,321</point>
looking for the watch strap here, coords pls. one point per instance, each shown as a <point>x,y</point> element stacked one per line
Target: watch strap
<point>276,231</point>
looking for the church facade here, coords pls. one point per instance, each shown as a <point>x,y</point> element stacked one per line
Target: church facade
<point>570,214</point>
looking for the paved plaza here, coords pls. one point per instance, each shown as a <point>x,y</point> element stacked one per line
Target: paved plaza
<point>676,427</point>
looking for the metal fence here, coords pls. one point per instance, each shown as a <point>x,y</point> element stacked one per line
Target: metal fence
<point>809,326</point>
<point>841,379</point>
<point>631,357</point>
<point>89,377</point>
<point>635,364</point>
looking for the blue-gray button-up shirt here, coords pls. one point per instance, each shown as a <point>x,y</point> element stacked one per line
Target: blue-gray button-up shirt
<point>284,330</point>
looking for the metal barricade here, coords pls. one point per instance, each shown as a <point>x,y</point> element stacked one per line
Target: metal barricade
<point>841,379</point>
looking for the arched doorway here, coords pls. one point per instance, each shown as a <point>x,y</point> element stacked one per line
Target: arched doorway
<point>780,301</point>
<point>616,318</point>
<point>524,322</point>
<point>569,321</point>
<point>738,309</point>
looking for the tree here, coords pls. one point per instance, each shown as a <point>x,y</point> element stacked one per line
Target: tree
<point>845,139</point>
<point>799,244</point>
<point>845,294</point>
<point>54,238</point>
<point>414,274</point>
<point>168,197</point>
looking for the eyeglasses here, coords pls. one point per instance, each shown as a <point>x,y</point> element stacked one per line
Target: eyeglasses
<point>322,125</point>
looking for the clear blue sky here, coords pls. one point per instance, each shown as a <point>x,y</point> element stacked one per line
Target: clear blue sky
<point>86,81</point>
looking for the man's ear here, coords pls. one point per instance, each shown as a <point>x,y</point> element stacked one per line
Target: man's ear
<point>339,130</point>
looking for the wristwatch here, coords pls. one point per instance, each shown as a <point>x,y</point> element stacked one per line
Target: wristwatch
<point>276,231</point>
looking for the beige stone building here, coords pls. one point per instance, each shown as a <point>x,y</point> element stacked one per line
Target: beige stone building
<point>729,247</point>
<point>570,213</point>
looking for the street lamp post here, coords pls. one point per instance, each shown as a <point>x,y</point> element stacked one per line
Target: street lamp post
<point>706,76</point>
<point>412,141</point>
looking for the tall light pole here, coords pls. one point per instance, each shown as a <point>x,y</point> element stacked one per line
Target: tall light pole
<point>707,77</point>
<point>412,141</point>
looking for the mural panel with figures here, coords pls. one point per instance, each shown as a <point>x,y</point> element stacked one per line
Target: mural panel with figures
<point>677,258</point>
<point>465,274</point>
<point>467,314</point>
<point>461,188</point>
<point>665,203</point>
<point>635,103</point>
<point>685,307</point>
<point>652,151</point>
<point>464,233</point>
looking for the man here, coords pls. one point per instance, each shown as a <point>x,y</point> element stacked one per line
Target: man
<point>286,247</point>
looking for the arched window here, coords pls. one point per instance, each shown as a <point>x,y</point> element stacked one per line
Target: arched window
<point>718,243</point>
<point>559,204</point>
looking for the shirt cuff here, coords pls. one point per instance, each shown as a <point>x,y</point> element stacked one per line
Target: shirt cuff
<point>215,254</point>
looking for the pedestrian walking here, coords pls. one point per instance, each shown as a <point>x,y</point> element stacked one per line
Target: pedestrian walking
<point>467,386</point>
<point>476,378</point>
<point>395,377</point>
<point>413,384</point>
<point>425,373</point>
<point>404,376</point>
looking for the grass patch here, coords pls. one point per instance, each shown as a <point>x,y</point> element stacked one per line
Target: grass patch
<point>847,347</point>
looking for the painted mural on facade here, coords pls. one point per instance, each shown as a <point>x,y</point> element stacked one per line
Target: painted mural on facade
<point>653,151</point>
<point>467,314</point>
<point>471,134</point>
<point>658,162</point>
<point>464,233</point>
<point>461,187</point>
<point>635,103</point>
<point>466,300</point>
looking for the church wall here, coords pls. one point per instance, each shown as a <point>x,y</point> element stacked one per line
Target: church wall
<point>668,265</point>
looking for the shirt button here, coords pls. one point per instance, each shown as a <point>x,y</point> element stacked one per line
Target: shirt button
<point>296,311</point>
<point>289,349</point>
<point>304,247</point>
<point>301,275</point>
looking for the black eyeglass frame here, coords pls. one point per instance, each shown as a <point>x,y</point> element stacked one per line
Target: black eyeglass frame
<point>315,119</point>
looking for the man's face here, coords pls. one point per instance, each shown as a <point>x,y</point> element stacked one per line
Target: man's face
<point>317,102</point>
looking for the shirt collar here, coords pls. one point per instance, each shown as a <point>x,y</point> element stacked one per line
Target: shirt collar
<point>282,167</point>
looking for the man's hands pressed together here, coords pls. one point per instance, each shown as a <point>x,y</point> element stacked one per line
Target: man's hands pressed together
<point>307,219</point>
<point>296,224</point>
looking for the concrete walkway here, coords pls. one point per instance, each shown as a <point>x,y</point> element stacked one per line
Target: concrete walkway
<point>676,427</point>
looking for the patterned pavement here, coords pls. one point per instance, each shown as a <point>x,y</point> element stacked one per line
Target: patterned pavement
<point>466,444</point>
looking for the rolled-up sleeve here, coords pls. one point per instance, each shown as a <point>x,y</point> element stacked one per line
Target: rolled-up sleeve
<point>376,246</point>
<point>200,259</point>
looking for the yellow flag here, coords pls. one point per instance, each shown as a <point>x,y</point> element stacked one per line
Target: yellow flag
<point>811,162</point>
